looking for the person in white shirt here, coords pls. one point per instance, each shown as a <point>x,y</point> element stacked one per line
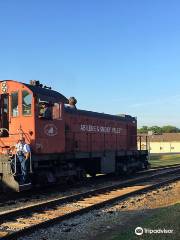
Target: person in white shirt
<point>23,152</point>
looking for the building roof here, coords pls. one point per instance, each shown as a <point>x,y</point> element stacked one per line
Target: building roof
<point>165,137</point>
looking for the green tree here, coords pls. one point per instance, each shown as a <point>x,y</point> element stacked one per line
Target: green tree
<point>170,129</point>
<point>143,129</point>
<point>156,129</point>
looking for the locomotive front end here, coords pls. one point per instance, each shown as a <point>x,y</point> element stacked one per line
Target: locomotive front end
<point>16,121</point>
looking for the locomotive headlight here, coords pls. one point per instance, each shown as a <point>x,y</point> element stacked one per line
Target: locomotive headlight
<point>4,87</point>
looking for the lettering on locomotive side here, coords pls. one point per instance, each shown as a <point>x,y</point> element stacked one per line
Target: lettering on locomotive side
<point>101,129</point>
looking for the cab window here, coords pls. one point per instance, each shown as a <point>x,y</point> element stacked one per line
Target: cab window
<point>56,111</point>
<point>45,110</point>
<point>14,104</point>
<point>26,103</point>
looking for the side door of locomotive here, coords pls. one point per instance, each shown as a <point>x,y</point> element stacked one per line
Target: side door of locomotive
<point>14,112</point>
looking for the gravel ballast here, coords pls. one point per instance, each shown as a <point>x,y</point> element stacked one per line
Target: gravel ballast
<point>99,224</point>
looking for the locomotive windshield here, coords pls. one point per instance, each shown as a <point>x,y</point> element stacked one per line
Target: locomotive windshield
<point>26,103</point>
<point>14,104</point>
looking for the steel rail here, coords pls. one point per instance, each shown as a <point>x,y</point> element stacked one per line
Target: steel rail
<point>38,208</point>
<point>66,199</point>
<point>33,193</point>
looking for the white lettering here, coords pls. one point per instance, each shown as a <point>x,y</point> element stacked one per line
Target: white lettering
<point>158,231</point>
<point>101,129</point>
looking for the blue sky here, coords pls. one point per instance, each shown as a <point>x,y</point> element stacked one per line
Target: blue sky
<point>118,56</point>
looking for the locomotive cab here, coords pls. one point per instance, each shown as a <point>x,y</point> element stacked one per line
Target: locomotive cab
<point>16,120</point>
<point>21,116</point>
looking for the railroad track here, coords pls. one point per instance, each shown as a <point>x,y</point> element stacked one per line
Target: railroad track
<point>19,222</point>
<point>36,194</point>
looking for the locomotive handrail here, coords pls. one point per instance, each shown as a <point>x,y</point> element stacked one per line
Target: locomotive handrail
<point>142,139</point>
<point>13,134</point>
<point>2,143</point>
<point>30,163</point>
<point>15,167</point>
<point>15,164</point>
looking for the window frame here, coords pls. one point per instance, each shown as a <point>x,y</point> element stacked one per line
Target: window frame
<point>39,109</point>
<point>22,107</point>
<point>56,116</point>
<point>11,106</point>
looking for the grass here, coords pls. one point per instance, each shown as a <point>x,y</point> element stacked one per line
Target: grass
<point>165,159</point>
<point>163,218</point>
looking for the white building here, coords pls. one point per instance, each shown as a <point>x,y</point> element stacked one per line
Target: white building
<point>165,143</point>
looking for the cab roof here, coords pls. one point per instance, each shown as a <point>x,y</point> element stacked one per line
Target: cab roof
<point>46,94</point>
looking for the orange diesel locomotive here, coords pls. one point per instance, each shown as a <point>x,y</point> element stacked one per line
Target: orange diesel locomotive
<point>65,144</point>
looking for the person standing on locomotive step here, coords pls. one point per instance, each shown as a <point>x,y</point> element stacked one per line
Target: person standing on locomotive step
<point>23,153</point>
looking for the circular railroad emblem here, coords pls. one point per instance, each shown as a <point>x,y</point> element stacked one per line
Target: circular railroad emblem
<point>50,130</point>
